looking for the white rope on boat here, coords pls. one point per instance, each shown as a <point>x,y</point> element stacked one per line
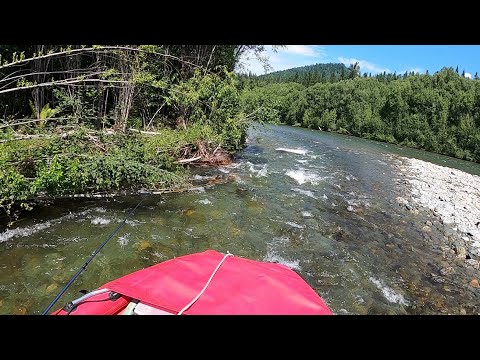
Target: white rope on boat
<point>206,285</point>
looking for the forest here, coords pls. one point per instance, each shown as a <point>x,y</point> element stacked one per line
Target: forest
<point>90,119</point>
<point>438,112</point>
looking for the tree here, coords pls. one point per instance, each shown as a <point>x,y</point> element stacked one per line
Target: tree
<point>456,70</point>
<point>354,70</point>
<point>476,76</point>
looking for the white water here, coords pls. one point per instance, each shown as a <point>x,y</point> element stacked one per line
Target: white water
<point>26,231</point>
<point>295,225</point>
<point>302,177</point>
<point>100,221</point>
<point>304,192</point>
<point>274,257</point>
<point>30,230</point>
<point>258,170</point>
<point>390,294</point>
<point>204,201</point>
<point>294,151</point>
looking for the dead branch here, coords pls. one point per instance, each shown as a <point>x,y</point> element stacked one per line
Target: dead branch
<point>26,137</point>
<point>185,161</point>
<point>145,132</point>
<point>63,82</point>
<point>93,49</point>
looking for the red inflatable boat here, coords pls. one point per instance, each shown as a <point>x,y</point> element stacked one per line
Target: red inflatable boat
<point>203,283</point>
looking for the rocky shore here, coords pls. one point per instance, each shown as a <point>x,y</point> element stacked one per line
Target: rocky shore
<point>451,199</point>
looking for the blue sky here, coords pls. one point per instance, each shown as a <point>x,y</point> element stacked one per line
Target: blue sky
<point>373,58</point>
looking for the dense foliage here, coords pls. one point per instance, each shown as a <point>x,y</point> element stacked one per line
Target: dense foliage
<point>439,112</point>
<point>84,119</point>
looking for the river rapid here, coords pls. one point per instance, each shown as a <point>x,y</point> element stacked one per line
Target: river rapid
<point>355,218</point>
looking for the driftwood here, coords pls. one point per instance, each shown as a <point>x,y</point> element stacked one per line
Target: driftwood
<point>145,132</point>
<point>25,137</point>
<point>185,161</point>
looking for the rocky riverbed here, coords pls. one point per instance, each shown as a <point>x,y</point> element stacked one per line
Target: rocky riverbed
<point>450,199</point>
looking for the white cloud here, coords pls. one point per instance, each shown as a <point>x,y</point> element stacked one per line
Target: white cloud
<point>251,64</point>
<point>285,57</point>
<point>468,75</point>
<point>365,66</point>
<point>305,50</point>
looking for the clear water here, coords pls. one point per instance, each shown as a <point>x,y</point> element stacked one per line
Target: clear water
<point>321,203</point>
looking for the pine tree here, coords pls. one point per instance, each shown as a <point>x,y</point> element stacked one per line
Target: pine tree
<point>476,76</point>
<point>456,70</point>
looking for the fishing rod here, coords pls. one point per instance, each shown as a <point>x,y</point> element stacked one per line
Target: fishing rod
<point>84,266</point>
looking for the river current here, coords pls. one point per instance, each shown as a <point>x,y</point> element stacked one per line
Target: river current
<point>321,203</point>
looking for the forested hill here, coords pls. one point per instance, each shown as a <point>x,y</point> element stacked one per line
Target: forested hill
<point>307,75</point>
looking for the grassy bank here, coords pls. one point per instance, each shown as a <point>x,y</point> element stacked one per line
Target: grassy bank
<point>84,161</point>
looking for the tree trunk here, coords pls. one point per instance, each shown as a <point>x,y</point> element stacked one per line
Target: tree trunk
<point>39,66</point>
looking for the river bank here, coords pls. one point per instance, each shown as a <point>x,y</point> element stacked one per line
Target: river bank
<point>451,198</point>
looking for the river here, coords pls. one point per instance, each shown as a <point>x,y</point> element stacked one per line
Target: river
<point>321,203</point>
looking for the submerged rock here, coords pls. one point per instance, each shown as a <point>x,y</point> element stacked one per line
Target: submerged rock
<point>51,288</point>
<point>143,245</point>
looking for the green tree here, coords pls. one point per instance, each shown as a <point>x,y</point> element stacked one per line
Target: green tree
<point>354,70</point>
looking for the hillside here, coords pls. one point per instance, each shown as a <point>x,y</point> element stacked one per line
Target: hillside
<point>307,74</point>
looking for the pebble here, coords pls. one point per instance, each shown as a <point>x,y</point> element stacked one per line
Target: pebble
<point>473,263</point>
<point>447,270</point>
<point>474,283</point>
<point>426,228</point>
<point>461,252</point>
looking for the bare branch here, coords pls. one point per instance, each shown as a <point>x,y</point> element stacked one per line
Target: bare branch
<point>184,161</point>
<point>63,82</point>
<point>28,121</point>
<point>45,73</point>
<point>94,49</point>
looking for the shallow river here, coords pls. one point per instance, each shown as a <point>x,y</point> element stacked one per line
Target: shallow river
<point>321,203</point>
